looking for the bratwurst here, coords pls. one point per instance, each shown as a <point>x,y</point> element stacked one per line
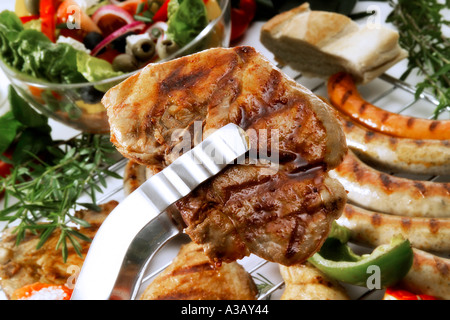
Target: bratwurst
<point>375,228</point>
<point>282,213</point>
<point>345,97</point>
<point>379,191</point>
<point>416,156</point>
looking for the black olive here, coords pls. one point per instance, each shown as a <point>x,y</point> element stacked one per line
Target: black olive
<point>143,50</point>
<point>92,39</point>
<point>32,6</point>
<point>125,63</point>
<point>90,95</point>
<point>120,43</point>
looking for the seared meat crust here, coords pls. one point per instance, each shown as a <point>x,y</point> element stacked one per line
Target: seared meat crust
<point>216,87</point>
<point>281,217</point>
<point>191,276</point>
<point>282,214</point>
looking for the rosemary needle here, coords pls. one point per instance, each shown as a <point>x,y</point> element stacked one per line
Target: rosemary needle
<point>420,24</point>
<point>46,190</point>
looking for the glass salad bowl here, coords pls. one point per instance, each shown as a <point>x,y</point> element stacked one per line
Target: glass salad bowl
<point>78,104</point>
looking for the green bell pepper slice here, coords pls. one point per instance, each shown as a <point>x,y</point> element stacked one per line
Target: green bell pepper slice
<point>388,262</point>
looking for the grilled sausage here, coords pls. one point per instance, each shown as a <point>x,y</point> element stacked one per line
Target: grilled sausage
<point>397,154</point>
<point>374,228</point>
<point>429,274</point>
<point>344,96</point>
<point>378,191</point>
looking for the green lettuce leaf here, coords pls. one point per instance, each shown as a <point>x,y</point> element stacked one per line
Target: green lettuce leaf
<point>29,51</point>
<point>186,19</point>
<point>95,69</point>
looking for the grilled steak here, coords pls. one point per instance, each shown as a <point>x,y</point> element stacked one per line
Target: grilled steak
<point>281,213</point>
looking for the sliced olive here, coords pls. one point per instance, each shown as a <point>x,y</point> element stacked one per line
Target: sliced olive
<point>166,47</point>
<point>144,49</point>
<point>32,6</point>
<point>125,63</point>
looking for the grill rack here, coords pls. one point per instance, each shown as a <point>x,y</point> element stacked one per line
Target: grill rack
<point>264,273</point>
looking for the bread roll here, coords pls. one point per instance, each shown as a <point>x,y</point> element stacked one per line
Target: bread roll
<point>320,44</point>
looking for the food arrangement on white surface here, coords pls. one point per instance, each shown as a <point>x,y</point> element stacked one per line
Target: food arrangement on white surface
<point>357,208</point>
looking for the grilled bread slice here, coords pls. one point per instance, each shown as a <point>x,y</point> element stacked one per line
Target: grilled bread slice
<point>320,44</point>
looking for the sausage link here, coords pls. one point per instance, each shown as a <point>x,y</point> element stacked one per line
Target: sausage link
<point>429,274</point>
<point>374,229</point>
<point>430,157</point>
<point>344,96</point>
<point>378,191</point>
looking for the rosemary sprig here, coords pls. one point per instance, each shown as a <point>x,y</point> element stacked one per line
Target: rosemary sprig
<point>420,24</point>
<point>43,193</point>
<point>264,284</point>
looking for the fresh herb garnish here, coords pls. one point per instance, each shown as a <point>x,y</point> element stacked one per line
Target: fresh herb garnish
<point>264,284</point>
<point>420,23</point>
<point>44,188</point>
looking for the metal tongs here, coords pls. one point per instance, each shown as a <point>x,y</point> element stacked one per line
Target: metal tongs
<point>139,226</point>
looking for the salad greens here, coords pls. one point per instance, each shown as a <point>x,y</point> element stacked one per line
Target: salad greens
<point>186,19</point>
<point>31,52</point>
<point>95,69</point>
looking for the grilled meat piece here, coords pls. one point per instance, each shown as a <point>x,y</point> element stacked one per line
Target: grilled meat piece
<point>278,216</point>
<point>281,213</point>
<point>23,264</point>
<point>192,276</point>
<point>306,282</point>
<point>216,87</point>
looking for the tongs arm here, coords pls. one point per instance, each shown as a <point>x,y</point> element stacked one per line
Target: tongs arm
<point>135,229</point>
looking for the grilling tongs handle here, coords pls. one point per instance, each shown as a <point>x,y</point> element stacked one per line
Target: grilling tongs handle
<point>139,225</point>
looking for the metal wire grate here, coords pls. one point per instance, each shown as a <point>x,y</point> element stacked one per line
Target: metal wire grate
<point>266,274</point>
<point>391,89</point>
<point>388,91</point>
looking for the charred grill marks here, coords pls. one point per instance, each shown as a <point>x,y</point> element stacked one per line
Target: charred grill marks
<point>345,97</point>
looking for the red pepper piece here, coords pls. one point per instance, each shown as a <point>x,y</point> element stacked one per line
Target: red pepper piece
<point>26,19</point>
<point>241,17</point>
<point>161,14</point>
<point>5,168</point>
<point>394,293</point>
<point>47,11</point>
